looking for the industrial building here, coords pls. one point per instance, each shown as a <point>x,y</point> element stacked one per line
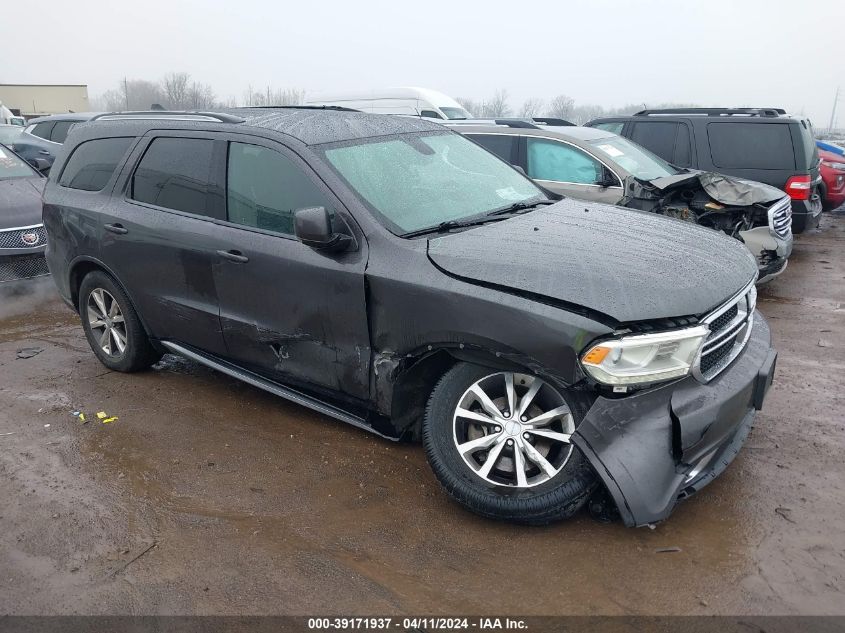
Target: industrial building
<point>31,100</point>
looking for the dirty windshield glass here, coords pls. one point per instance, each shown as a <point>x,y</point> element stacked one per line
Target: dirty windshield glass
<point>456,113</point>
<point>640,162</point>
<point>13,167</point>
<point>414,182</point>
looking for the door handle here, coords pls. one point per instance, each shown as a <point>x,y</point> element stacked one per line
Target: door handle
<point>116,228</point>
<point>234,256</point>
<point>44,151</point>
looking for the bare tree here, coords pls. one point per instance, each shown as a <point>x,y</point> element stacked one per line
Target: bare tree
<point>531,108</point>
<point>561,107</point>
<point>271,97</point>
<point>176,87</point>
<point>200,96</point>
<point>497,106</point>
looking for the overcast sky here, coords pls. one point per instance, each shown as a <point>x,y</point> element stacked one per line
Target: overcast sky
<point>740,52</point>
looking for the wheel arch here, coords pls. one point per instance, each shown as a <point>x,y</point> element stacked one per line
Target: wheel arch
<point>403,386</point>
<point>81,268</point>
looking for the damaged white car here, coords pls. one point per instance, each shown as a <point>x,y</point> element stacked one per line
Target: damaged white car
<point>600,166</point>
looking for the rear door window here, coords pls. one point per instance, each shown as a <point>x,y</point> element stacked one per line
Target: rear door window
<point>657,136</point>
<point>615,127</point>
<point>42,130</point>
<point>751,145</point>
<point>93,162</point>
<point>501,145</point>
<point>550,160</point>
<point>176,173</point>
<point>60,130</point>
<point>264,188</point>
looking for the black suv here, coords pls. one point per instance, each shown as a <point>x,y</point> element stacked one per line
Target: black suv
<point>393,274</point>
<point>762,144</point>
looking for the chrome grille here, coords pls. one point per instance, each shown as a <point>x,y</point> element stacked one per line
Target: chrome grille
<point>780,217</point>
<point>22,267</point>
<point>730,326</point>
<point>14,238</point>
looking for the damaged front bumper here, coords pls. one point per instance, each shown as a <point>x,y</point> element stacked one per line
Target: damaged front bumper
<point>658,446</point>
<point>770,250</point>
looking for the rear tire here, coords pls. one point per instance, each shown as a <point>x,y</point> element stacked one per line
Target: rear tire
<point>556,479</point>
<point>112,326</point>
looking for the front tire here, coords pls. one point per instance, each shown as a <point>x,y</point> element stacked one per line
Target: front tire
<point>112,326</point>
<point>500,444</point>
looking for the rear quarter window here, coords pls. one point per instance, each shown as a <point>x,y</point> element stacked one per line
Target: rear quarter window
<point>43,129</point>
<point>751,145</point>
<point>92,163</point>
<point>656,136</point>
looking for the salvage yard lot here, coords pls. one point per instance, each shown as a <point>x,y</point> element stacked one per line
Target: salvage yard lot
<point>209,496</point>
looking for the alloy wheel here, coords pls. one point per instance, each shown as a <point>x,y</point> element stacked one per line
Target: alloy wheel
<point>106,321</point>
<point>513,430</point>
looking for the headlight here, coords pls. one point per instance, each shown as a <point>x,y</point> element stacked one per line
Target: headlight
<point>645,358</point>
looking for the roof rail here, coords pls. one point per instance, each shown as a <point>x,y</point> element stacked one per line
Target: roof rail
<point>552,121</point>
<point>763,112</point>
<point>174,115</point>
<point>523,123</point>
<point>299,107</point>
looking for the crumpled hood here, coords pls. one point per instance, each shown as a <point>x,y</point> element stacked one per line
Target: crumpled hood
<point>20,202</point>
<point>626,264</point>
<point>735,192</point>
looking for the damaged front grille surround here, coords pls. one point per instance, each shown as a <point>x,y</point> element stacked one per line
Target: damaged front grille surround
<point>730,327</point>
<point>780,217</point>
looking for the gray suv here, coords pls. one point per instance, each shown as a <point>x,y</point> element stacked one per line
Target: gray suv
<point>391,273</point>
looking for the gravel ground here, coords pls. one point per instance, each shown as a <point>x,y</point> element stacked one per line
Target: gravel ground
<point>207,496</point>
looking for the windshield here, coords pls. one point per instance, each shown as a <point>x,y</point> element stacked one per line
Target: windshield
<point>638,161</point>
<point>13,167</point>
<point>456,113</point>
<point>415,181</point>
<point>9,134</point>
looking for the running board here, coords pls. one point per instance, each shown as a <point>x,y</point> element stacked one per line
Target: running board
<point>275,388</point>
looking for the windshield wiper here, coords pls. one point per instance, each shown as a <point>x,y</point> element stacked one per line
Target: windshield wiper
<point>449,225</point>
<point>516,207</point>
<point>493,216</point>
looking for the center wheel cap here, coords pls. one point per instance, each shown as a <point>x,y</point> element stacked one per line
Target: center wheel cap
<point>512,428</point>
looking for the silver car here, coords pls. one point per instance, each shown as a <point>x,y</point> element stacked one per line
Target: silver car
<point>600,166</point>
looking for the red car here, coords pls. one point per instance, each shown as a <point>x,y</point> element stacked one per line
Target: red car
<point>832,169</point>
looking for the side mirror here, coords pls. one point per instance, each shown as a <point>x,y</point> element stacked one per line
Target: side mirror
<point>41,165</point>
<point>313,227</point>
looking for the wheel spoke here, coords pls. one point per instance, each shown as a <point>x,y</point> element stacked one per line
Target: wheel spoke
<point>519,466</point>
<point>117,319</point>
<point>97,296</point>
<point>528,398</point>
<point>492,458</point>
<point>552,435</point>
<point>534,455</point>
<point>119,340</point>
<point>485,401</point>
<point>472,415</point>
<point>94,319</point>
<point>510,392</point>
<point>485,441</point>
<point>105,341</point>
<point>114,308</point>
<point>549,416</point>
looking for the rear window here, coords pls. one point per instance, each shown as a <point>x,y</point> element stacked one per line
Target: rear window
<point>811,150</point>
<point>657,137</point>
<point>175,173</point>
<point>500,144</point>
<point>751,145</point>
<point>60,130</point>
<point>93,162</point>
<point>42,130</point>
